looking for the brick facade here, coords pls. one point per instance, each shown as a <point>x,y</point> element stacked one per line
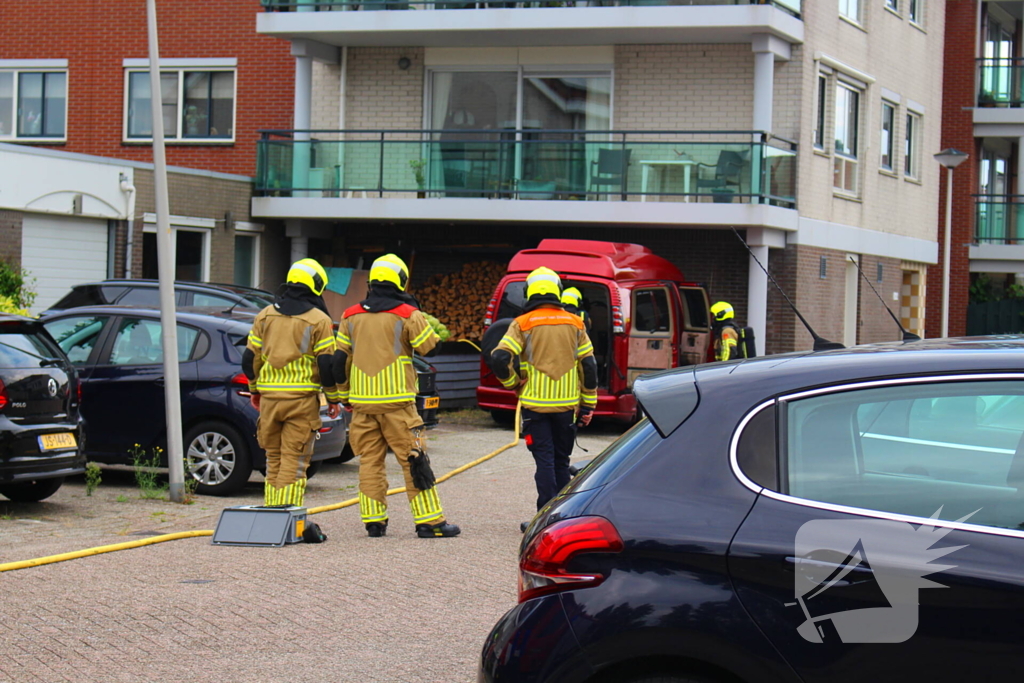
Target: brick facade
<point>95,38</point>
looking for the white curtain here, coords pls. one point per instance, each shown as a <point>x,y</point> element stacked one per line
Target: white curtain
<point>440,95</point>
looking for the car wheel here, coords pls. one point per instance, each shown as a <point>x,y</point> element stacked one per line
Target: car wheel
<point>220,458</point>
<point>504,417</point>
<point>31,491</point>
<point>346,453</point>
<point>313,468</point>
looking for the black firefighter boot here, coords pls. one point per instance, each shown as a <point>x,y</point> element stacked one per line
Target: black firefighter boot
<point>376,529</point>
<point>442,530</point>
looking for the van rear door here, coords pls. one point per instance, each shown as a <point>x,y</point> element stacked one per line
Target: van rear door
<point>653,329</point>
<point>696,337</point>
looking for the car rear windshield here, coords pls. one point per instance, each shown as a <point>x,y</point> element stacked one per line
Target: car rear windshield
<point>615,460</point>
<point>21,348</point>
<point>90,295</point>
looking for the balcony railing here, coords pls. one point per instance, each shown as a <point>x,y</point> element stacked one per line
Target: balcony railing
<point>999,219</point>
<point>1000,82</point>
<point>790,6</point>
<point>720,166</point>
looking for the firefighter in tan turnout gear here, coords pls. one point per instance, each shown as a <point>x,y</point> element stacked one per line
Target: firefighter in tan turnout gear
<point>376,340</point>
<point>559,378</point>
<point>288,360</point>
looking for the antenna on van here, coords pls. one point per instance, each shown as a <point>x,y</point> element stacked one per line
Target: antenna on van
<point>820,343</point>
<point>907,336</point>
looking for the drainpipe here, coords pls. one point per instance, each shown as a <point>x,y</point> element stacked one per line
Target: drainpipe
<point>129,189</point>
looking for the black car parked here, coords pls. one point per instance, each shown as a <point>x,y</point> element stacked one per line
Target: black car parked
<point>145,293</point>
<point>841,516</point>
<point>118,354</point>
<point>40,427</point>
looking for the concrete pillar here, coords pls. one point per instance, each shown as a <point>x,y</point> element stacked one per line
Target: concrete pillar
<point>303,120</point>
<point>764,90</point>
<point>757,296</point>
<point>300,248</point>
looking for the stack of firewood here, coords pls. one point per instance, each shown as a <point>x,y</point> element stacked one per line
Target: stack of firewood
<point>459,300</point>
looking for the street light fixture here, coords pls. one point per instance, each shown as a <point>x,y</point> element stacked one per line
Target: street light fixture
<point>950,158</point>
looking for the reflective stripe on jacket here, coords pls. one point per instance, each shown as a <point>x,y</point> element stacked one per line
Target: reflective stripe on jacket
<point>285,348</point>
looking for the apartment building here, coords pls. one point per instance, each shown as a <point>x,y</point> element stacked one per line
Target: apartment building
<point>983,117</point>
<point>449,130</point>
<point>74,103</point>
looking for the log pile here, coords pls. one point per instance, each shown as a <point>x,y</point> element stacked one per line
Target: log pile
<point>459,300</point>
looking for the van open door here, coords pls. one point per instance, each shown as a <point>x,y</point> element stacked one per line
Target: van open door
<point>696,337</point>
<point>652,334</point>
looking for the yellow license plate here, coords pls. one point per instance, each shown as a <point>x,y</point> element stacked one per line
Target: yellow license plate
<point>49,442</point>
<point>431,402</point>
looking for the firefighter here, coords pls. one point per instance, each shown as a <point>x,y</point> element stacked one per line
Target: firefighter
<point>726,335</point>
<point>559,378</point>
<point>376,340</point>
<point>571,299</point>
<point>288,360</point>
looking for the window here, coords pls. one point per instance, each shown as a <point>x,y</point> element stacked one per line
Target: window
<point>33,104</point>
<point>951,447</point>
<point>650,311</point>
<point>846,133</point>
<point>195,105</point>
<point>850,9</point>
<point>819,130</point>
<point>894,5</point>
<point>21,349</point>
<point>888,130</point>
<point>191,251</point>
<point>910,158</point>
<point>915,11</point>
<point>139,342</point>
<point>246,259</point>
<point>77,336</point>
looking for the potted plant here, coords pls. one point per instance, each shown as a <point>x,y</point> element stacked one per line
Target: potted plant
<point>417,166</point>
<point>193,119</point>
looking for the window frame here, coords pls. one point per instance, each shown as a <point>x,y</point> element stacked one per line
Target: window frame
<point>780,404</point>
<point>255,231</point>
<point>915,12</point>
<point>205,226</point>
<point>893,6</point>
<point>858,10</point>
<point>181,136</point>
<point>912,146</point>
<point>17,72</point>
<point>846,164</point>
<point>822,104</point>
<point>893,109</point>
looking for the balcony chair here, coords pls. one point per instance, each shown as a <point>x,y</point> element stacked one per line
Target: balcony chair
<point>610,169</point>
<point>726,180</point>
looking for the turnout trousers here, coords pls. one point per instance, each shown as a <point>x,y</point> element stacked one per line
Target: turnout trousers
<point>287,430</point>
<point>550,436</point>
<point>370,436</point>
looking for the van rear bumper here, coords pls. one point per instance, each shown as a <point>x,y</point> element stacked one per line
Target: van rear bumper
<point>615,407</point>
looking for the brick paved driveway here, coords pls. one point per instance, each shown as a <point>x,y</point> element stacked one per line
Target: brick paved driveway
<point>352,609</point>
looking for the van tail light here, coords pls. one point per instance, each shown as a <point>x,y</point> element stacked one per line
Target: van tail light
<point>78,391</point>
<point>489,315</point>
<point>543,567</point>
<point>241,383</point>
<point>3,396</point>
<point>617,325</point>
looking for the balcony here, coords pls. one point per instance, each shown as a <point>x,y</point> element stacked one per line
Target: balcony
<point>667,177</point>
<point>522,23</point>
<point>1000,82</point>
<point>999,219</point>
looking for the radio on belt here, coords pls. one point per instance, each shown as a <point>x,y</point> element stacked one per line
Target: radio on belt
<point>260,525</point>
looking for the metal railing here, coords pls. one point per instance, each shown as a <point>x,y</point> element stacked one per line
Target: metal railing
<point>1000,82</point>
<point>998,219</point>
<point>527,164</point>
<point>790,6</point>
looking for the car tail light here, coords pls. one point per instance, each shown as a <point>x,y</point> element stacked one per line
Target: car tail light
<point>543,567</point>
<point>3,395</point>
<point>241,382</point>
<point>617,324</point>
<point>325,430</point>
<point>78,391</point>
<point>491,306</point>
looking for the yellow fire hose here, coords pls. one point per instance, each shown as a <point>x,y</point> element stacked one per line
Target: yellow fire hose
<point>99,550</point>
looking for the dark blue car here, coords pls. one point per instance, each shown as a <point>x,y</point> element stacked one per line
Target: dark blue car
<point>841,516</point>
<point>117,351</point>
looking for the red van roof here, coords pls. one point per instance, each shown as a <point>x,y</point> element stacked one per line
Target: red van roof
<point>612,260</point>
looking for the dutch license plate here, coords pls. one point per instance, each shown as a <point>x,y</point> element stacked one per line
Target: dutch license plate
<point>49,442</point>
<point>431,402</point>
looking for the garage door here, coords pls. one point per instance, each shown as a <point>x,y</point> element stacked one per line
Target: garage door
<point>61,252</point>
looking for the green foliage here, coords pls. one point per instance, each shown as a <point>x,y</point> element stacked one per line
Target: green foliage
<point>122,498</point>
<point>146,474</point>
<point>9,305</point>
<point>417,166</point>
<point>439,327</point>
<point>92,478</point>
<point>981,290</point>
<point>1015,291</point>
<point>16,286</point>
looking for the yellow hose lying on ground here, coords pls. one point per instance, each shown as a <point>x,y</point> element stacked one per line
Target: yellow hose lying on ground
<point>99,550</point>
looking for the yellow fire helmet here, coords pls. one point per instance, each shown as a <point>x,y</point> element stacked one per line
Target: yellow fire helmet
<point>722,311</point>
<point>310,273</point>
<point>543,281</point>
<point>572,297</point>
<point>390,268</point>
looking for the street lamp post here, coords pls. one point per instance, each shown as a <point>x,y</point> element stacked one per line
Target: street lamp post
<point>950,158</point>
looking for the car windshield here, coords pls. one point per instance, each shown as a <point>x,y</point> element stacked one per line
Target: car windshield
<point>21,349</point>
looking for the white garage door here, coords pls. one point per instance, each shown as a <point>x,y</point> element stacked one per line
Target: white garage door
<point>61,252</point>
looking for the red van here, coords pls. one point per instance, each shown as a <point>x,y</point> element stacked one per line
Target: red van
<point>644,316</point>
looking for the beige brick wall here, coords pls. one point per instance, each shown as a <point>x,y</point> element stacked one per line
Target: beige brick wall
<point>326,111</point>
<point>886,203</point>
<point>379,94</point>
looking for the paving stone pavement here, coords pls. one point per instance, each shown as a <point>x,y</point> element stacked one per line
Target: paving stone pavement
<point>398,608</point>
